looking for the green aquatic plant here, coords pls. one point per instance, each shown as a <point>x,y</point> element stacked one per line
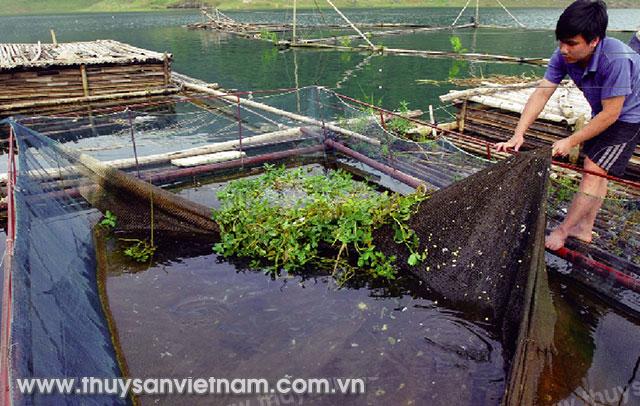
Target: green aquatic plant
<point>109,220</point>
<point>288,218</point>
<point>268,35</point>
<point>345,41</point>
<point>400,125</point>
<point>140,250</point>
<point>456,44</point>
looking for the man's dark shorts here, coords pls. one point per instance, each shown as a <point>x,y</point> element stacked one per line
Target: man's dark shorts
<point>613,149</point>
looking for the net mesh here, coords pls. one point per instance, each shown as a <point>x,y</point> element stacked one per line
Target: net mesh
<point>58,327</point>
<point>483,230</point>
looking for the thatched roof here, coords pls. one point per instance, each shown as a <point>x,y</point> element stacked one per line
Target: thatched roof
<point>566,105</point>
<point>14,56</point>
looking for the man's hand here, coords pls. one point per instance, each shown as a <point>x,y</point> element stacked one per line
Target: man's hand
<point>562,147</point>
<point>515,143</point>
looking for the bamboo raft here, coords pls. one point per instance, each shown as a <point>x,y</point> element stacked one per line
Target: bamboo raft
<point>491,113</point>
<point>218,21</point>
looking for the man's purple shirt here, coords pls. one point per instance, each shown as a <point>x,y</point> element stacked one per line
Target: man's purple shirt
<point>635,42</point>
<point>614,70</point>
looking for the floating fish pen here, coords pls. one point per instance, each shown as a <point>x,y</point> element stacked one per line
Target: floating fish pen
<point>62,187</point>
<point>491,113</point>
<point>134,206</point>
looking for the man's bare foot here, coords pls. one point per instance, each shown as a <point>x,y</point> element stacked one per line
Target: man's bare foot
<point>581,233</point>
<point>556,239</point>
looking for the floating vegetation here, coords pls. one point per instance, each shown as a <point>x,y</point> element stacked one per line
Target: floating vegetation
<point>268,35</point>
<point>109,220</point>
<point>400,125</point>
<point>286,218</point>
<point>140,251</point>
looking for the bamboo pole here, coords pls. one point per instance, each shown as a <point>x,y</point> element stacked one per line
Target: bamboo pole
<point>85,81</point>
<point>167,74</point>
<point>511,15</point>
<point>432,118</point>
<point>424,53</point>
<point>477,21</point>
<point>465,94</point>
<point>260,106</point>
<point>74,100</point>
<point>461,12</point>
<point>167,157</point>
<point>389,32</point>
<point>351,24</point>
<point>295,7</point>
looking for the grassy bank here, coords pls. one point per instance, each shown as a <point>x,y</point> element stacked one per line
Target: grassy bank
<point>10,7</point>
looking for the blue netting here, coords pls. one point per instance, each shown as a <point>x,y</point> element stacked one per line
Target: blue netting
<point>58,326</point>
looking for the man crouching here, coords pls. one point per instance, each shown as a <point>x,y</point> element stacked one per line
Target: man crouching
<point>607,71</point>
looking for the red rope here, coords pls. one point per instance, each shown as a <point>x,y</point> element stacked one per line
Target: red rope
<point>582,170</point>
<point>577,258</point>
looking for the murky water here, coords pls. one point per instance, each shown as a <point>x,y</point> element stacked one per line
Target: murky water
<point>200,315</point>
<point>597,359</point>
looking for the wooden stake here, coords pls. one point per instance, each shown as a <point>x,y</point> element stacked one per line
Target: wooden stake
<point>463,115</point>
<point>85,81</point>
<point>167,76</point>
<point>433,121</point>
<point>295,7</point>
<point>53,37</point>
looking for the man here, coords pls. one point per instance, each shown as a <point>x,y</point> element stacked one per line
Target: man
<point>635,42</point>
<point>608,73</point>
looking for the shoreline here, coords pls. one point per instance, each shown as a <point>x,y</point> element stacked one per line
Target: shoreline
<point>245,7</point>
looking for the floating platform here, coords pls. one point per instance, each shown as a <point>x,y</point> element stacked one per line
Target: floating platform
<point>491,113</point>
<point>33,73</point>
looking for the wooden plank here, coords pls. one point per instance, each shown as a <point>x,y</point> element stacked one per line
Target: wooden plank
<point>208,159</point>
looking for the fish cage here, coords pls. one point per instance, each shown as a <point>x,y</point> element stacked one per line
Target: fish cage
<point>415,263</point>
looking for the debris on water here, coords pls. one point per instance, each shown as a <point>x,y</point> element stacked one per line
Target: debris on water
<point>392,340</point>
<point>354,345</point>
<point>362,306</point>
<point>384,327</point>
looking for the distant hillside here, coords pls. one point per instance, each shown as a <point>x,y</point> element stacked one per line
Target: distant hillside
<point>70,6</point>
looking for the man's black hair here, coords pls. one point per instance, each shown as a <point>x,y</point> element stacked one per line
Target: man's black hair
<point>586,17</point>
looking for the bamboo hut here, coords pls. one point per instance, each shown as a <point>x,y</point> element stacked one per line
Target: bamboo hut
<point>491,113</point>
<point>36,73</point>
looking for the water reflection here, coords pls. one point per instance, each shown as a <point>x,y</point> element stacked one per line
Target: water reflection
<point>198,316</point>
